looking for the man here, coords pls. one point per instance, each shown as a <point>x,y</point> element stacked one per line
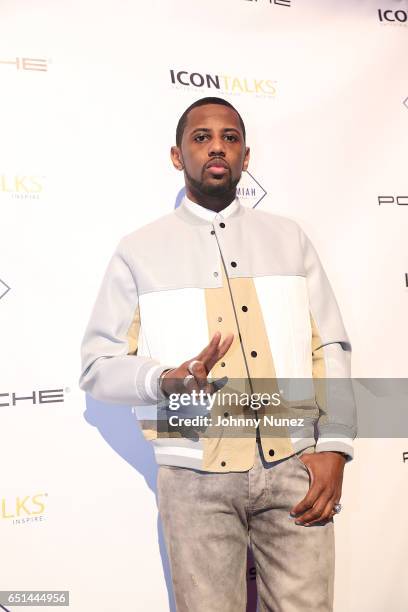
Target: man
<point>215,290</point>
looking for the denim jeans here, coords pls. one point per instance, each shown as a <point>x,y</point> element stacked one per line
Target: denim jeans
<point>209,519</point>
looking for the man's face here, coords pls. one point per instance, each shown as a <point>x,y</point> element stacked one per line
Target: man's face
<point>212,153</point>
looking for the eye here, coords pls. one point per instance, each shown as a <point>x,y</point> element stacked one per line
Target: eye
<point>231,138</point>
<point>200,137</point>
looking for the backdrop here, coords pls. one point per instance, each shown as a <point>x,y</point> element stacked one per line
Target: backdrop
<point>91,92</point>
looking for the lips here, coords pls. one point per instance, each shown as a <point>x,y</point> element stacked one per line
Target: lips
<point>217,163</point>
<point>217,167</point>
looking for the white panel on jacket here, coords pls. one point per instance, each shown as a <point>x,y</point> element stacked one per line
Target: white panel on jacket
<point>285,306</point>
<point>174,324</point>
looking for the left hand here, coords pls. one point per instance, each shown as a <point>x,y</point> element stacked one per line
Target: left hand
<point>326,478</point>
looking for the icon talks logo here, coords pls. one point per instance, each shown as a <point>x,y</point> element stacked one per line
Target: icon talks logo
<point>21,186</point>
<point>249,191</point>
<point>399,16</point>
<point>227,84</point>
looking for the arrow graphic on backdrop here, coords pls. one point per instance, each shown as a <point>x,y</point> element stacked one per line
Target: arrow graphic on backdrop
<point>3,289</point>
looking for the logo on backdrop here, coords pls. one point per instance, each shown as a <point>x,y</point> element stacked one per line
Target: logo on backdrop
<point>389,16</point>
<point>21,187</point>
<point>249,191</point>
<point>44,396</point>
<point>395,17</point>
<point>223,83</point>
<point>406,279</point>
<point>405,102</point>
<point>278,2</point>
<point>26,63</point>
<point>4,288</point>
<point>399,200</point>
<point>21,510</point>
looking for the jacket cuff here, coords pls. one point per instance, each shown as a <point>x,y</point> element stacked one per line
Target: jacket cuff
<point>342,445</point>
<point>148,384</point>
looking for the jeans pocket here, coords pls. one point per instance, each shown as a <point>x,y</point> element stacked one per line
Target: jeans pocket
<point>305,451</point>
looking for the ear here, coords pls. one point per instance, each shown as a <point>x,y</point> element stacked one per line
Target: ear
<point>176,158</point>
<point>246,159</point>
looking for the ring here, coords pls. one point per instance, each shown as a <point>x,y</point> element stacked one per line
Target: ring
<point>337,508</point>
<point>190,365</point>
<point>187,379</point>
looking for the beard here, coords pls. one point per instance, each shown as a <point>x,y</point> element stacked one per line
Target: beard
<point>214,189</point>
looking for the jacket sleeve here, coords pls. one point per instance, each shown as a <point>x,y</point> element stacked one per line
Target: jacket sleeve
<point>111,369</point>
<point>331,360</point>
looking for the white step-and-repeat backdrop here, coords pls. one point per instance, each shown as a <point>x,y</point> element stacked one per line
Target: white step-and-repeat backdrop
<point>91,92</point>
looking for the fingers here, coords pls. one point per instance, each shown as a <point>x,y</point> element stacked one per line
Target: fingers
<point>224,346</point>
<point>305,506</point>
<point>198,380</point>
<point>211,348</point>
<point>316,506</point>
<point>320,512</point>
<point>215,351</point>
<point>185,379</point>
<point>218,352</point>
<point>326,475</point>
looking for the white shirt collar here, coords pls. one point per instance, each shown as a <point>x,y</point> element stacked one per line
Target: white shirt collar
<point>207,214</point>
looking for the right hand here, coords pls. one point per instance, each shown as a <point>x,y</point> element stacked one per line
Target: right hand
<point>207,358</point>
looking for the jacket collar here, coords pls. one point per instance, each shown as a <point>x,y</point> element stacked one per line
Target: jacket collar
<point>199,215</point>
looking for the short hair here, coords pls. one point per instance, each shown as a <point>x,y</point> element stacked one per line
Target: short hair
<point>203,102</point>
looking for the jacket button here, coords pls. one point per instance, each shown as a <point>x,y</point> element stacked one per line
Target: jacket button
<point>222,224</point>
<point>215,273</point>
<point>271,452</point>
<point>219,319</point>
<point>212,232</point>
<point>223,463</point>
<point>222,364</point>
<point>226,414</point>
<point>234,264</point>
<point>254,353</point>
<point>245,308</point>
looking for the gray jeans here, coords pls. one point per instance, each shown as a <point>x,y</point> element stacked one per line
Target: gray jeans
<point>210,518</point>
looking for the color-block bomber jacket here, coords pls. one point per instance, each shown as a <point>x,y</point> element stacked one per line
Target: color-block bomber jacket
<point>171,284</point>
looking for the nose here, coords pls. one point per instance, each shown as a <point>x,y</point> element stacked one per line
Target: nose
<point>216,148</point>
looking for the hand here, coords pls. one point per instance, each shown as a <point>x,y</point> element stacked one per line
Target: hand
<point>326,478</point>
<point>207,358</point>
